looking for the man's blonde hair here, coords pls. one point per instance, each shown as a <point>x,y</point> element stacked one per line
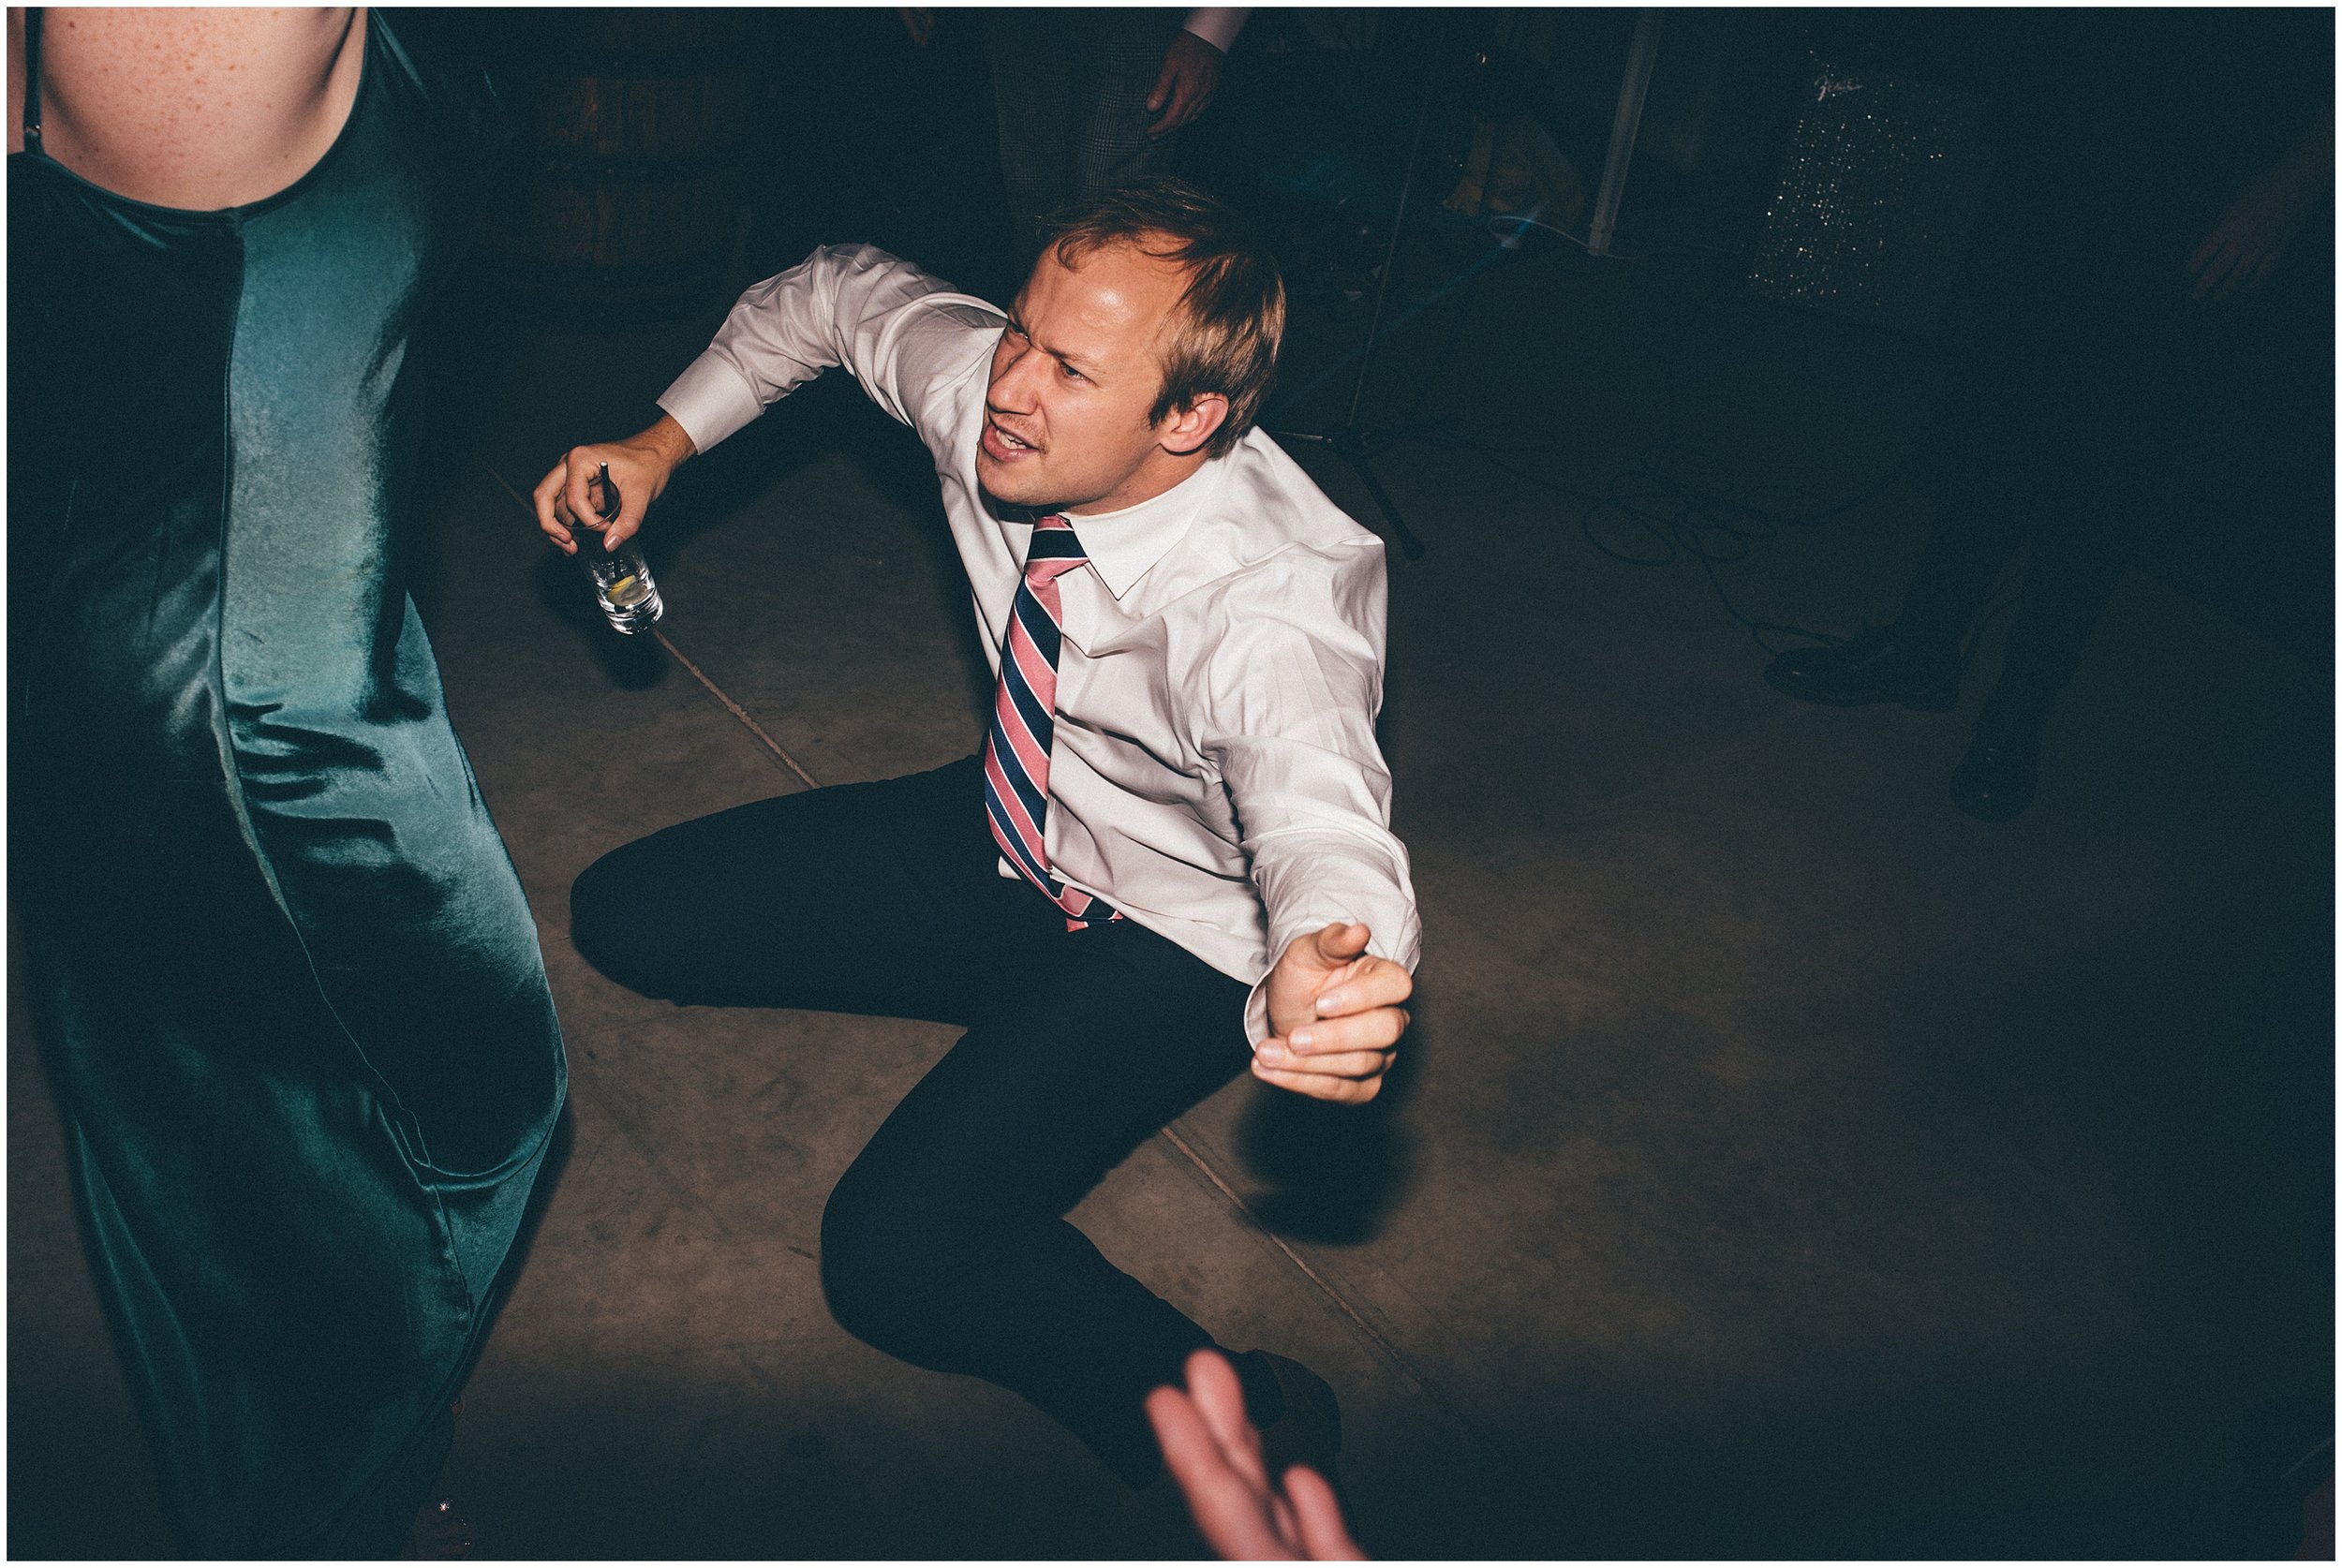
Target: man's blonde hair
<point>1224,331</point>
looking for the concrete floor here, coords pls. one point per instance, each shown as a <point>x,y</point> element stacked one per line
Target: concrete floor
<point>1783,1164</point>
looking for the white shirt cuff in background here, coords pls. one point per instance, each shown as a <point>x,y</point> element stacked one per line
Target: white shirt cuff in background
<point>1217,25</point>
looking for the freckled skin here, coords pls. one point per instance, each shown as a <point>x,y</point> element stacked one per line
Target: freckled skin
<point>193,108</point>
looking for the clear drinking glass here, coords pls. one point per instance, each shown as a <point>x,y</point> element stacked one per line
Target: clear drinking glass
<point>622,582</point>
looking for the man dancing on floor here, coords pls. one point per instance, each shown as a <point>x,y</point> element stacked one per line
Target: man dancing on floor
<point>1172,857</point>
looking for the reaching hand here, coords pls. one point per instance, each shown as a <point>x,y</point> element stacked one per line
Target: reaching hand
<point>2245,245</point>
<point>640,468</point>
<point>1191,75</point>
<point>919,21</point>
<point>1214,1455</point>
<point>1334,1017</point>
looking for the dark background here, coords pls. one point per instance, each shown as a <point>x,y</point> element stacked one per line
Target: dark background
<point>830,128</point>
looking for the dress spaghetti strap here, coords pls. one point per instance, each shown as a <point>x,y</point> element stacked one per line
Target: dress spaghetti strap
<point>32,78</point>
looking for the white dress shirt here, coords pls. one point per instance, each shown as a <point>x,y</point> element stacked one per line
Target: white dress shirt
<point>1213,773</point>
<point>1217,25</point>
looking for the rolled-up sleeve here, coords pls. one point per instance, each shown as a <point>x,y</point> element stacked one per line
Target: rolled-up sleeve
<point>1290,696</point>
<point>898,331</point>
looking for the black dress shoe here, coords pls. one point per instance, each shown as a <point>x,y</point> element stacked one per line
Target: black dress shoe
<point>1884,664</point>
<point>1998,777</point>
<point>1308,1431</point>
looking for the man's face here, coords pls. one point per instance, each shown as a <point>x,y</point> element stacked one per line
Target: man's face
<point>1073,376</point>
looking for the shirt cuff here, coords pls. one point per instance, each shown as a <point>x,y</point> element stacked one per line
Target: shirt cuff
<point>1217,25</point>
<point>1257,1014</point>
<point>710,400</point>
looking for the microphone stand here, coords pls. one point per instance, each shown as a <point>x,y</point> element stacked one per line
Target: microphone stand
<point>1351,441</point>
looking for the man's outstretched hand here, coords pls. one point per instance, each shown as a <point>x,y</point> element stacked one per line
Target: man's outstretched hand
<point>1214,1455</point>
<point>1334,1019</point>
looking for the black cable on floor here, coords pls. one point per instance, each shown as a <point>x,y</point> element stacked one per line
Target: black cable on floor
<point>1675,501</point>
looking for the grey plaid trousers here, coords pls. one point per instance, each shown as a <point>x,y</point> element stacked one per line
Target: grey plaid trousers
<point>1072,88</point>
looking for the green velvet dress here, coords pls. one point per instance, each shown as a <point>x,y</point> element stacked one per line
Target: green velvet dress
<point>296,1017</point>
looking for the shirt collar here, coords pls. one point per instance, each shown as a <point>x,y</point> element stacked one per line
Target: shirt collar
<point>1124,545</point>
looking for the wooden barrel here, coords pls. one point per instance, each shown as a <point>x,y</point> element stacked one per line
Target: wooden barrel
<point>634,125</point>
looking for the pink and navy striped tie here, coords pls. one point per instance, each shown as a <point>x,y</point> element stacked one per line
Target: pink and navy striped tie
<point>1024,709</point>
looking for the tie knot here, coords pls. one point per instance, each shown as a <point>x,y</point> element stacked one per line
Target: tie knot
<point>1055,550</point>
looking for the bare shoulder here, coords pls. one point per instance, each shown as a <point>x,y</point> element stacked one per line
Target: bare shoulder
<point>190,107</point>
<point>16,79</point>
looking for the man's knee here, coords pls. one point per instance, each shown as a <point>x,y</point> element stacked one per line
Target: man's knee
<point>619,924</point>
<point>883,1263</point>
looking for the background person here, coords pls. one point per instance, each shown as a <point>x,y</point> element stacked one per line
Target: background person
<point>1090,97</point>
<point>296,1017</point>
<point>2138,312</point>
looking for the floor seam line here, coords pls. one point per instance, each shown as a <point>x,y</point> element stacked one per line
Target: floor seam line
<point>697,674</point>
<point>737,712</point>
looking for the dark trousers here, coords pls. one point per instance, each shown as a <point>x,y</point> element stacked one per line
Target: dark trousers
<point>2078,557</point>
<point>945,1243</point>
<point>1071,88</point>
<point>2059,424</point>
<point>2088,391</point>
